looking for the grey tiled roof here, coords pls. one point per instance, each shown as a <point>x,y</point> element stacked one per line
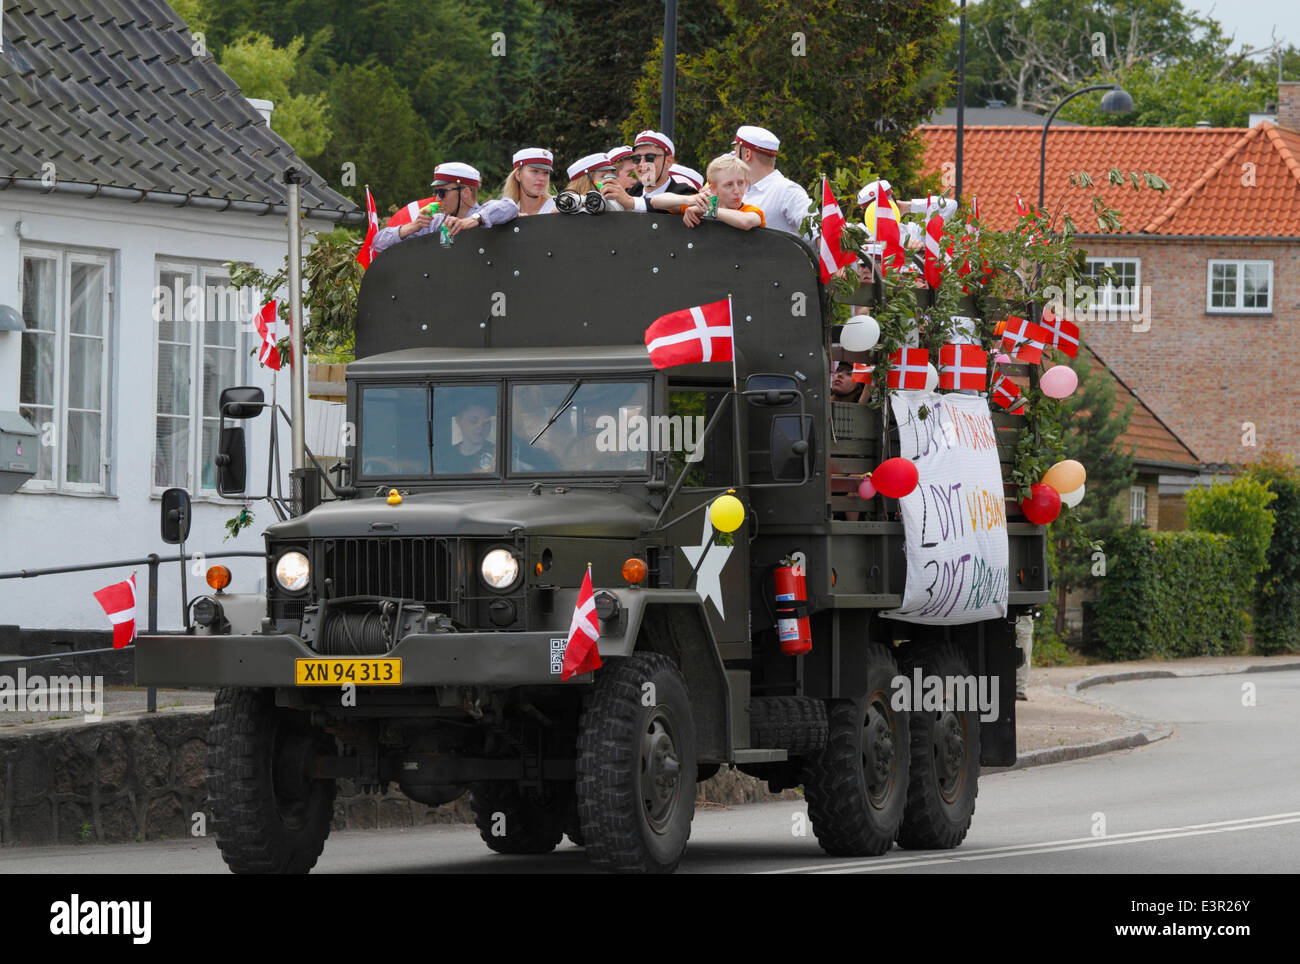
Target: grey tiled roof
<point>112,93</point>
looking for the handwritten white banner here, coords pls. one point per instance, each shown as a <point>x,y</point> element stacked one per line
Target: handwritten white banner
<point>955,521</point>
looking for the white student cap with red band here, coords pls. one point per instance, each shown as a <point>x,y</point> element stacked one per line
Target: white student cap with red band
<point>758,138</point>
<point>662,141</point>
<point>619,153</point>
<point>535,157</point>
<point>592,162</point>
<point>687,174</point>
<point>454,172</point>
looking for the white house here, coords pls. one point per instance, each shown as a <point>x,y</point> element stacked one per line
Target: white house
<point>132,168</point>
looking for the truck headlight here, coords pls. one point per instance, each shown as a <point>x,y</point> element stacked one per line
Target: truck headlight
<point>292,570</point>
<point>500,569</point>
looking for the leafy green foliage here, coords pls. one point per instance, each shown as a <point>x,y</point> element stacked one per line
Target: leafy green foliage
<point>263,70</point>
<point>1277,606</point>
<point>1172,594</point>
<point>1239,510</point>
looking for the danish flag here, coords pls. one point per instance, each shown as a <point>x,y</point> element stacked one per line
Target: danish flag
<point>933,263</point>
<point>1024,340</point>
<point>409,213</point>
<point>909,368</point>
<point>118,601</point>
<point>833,256</point>
<point>699,334</point>
<point>963,366</point>
<point>862,372</point>
<point>365,255</point>
<point>1006,392</point>
<point>887,232</point>
<point>1065,335</point>
<point>581,654</point>
<point>1029,231</point>
<point>268,327</point>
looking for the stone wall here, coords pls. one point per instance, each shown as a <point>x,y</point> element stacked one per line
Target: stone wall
<point>142,778</point>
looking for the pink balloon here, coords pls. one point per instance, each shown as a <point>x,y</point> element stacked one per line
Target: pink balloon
<point>865,489</point>
<point>1059,381</point>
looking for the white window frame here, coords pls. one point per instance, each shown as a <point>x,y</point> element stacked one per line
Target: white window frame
<point>64,258</point>
<point>1104,297</point>
<point>1238,308</point>
<point>198,273</point>
<point>1137,504</point>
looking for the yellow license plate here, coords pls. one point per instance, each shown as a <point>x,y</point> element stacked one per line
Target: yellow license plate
<point>338,672</point>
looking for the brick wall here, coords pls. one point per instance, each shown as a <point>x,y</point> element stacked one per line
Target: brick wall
<point>1206,374</point>
<point>1288,104</point>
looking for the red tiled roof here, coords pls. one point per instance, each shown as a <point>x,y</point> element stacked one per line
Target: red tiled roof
<point>1211,191</point>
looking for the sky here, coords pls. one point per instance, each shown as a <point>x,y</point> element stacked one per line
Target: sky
<point>1252,21</point>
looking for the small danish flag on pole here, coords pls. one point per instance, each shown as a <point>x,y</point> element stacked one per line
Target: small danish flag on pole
<point>692,335</point>
<point>1007,394</point>
<point>862,372</point>
<point>365,255</point>
<point>581,654</point>
<point>963,366</point>
<point>933,258</point>
<point>833,255</point>
<point>1024,340</point>
<point>268,322</point>
<point>1065,335</point>
<point>909,368</point>
<point>118,601</point>
<point>887,231</point>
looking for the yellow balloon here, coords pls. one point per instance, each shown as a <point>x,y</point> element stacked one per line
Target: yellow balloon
<point>869,218</point>
<point>726,513</point>
<point>1065,476</point>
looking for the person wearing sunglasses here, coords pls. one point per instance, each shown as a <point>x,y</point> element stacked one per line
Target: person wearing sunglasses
<point>784,202</point>
<point>652,152</point>
<point>455,188</point>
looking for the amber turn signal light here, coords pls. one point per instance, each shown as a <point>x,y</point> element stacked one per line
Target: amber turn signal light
<point>218,577</point>
<point>634,570</point>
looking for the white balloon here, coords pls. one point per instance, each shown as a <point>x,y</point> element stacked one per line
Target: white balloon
<point>860,333</point>
<point>931,377</point>
<point>1072,498</point>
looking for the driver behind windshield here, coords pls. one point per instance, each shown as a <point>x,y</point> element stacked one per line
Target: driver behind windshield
<point>473,441</point>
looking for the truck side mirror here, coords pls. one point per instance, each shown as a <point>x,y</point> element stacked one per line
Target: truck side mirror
<point>778,390</point>
<point>232,467</point>
<point>175,516</point>
<point>245,401</point>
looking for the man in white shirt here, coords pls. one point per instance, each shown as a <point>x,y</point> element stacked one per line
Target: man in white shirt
<point>783,202</point>
<point>455,186</point>
<point>653,154</point>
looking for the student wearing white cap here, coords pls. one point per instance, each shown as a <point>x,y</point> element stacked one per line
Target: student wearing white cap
<point>688,174</point>
<point>529,182</point>
<point>784,202</point>
<point>653,156</point>
<point>624,166</point>
<point>586,177</point>
<point>455,188</point>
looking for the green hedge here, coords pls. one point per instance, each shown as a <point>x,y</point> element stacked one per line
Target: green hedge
<point>1277,606</point>
<point>1172,594</point>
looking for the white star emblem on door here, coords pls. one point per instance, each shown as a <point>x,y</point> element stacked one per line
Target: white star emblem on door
<point>707,583</point>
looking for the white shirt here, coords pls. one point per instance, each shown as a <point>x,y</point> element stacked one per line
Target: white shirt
<point>639,203</point>
<point>783,202</point>
<point>492,212</point>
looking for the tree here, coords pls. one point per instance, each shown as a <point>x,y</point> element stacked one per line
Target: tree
<point>1093,439</point>
<point>841,82</point>
<point>263,70</point>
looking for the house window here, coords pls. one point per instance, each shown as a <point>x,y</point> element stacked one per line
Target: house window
<point>63,381</point>
<point>1121,294</point>
<point>199,319</point>
<point>1239,286</point>
<point>1137,504</point>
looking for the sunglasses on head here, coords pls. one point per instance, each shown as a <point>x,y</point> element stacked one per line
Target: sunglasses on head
<point>649,158</point>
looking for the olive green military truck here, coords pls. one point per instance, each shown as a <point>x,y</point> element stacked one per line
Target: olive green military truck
<point>507,430</point>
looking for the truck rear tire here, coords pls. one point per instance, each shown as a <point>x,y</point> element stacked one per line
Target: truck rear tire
<point>857,786</point>
<point>945,766</point>
<point>270,815</point>
<point>514,821</point>
<point>636,766</point>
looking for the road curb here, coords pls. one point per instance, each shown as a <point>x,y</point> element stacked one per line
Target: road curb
<point>1062,754</point>
<point>1072,688</point>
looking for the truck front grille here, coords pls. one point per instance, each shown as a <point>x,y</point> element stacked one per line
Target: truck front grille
<point>419,569</point>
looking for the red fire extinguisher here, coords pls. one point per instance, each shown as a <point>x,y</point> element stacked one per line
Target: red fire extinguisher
<point>792,626</point>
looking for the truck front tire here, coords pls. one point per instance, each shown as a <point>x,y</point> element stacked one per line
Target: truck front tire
<point>636,766</point>
<point>270,814</point>
<point>857,786</point>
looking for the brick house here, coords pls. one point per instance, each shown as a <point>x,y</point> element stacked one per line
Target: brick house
<point>1209,272</point>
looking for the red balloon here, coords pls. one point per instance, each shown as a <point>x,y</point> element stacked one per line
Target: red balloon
<point>895,477</point>
<point>1043,504</point>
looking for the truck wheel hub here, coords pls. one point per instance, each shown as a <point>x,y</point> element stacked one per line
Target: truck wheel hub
<point>660,772</point>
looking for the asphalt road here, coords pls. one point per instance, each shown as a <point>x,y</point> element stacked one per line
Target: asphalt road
<point>1221,795</point>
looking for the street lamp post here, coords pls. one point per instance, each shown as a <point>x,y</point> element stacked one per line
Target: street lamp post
<point>1117,101</point>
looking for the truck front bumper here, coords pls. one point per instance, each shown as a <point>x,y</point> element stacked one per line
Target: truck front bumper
<point>428,659</point>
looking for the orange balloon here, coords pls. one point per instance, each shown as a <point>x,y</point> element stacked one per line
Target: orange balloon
<point>1065,476</point>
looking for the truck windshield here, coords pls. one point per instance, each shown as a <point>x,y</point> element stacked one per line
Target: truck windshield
<point>605,428</point>
<point>395,430</point>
